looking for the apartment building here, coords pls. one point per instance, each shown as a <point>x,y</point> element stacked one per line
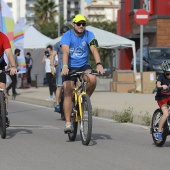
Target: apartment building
<point>24,8</point>
<point>102,9</point>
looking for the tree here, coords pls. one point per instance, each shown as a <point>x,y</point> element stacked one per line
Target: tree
<point>45,12</point>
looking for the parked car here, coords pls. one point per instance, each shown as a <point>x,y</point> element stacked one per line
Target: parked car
<point>152,58</point>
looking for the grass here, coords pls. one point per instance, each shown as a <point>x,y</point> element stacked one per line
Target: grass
<point>125,116</point>
<point>146,119</point>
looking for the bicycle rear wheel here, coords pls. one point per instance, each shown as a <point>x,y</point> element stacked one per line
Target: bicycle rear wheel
<point>86,122</point>
<point>2,115</point>
<point>154,127</point>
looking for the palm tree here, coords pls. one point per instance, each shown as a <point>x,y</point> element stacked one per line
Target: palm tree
<point>45,11</point>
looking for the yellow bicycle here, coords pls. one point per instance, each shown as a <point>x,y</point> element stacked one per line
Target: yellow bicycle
<point>82,108</point>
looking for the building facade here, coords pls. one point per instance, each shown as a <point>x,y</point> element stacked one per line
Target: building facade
<point>156,31</point>
<point>102,9</point>
<point>24,8</point>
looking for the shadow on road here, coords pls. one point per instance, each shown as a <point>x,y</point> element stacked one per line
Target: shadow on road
<point>12,132</point>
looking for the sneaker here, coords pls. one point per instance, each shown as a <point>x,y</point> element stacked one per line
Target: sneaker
<point>57,109</point>
<point>68,128</point>
<point>158,135</point>
<point>7,122</point>
<point>49,98</point>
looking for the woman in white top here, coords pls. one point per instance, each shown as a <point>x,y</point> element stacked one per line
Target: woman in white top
<point>50,77</point>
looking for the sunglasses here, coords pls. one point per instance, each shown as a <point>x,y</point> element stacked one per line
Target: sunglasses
<point>167,74</point>
<point>81,23</point>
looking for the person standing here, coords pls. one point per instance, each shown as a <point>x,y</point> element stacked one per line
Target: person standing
<point>5,47</point>
<point>29,63</point>
<point>49,76</point>
<point>13,83</point>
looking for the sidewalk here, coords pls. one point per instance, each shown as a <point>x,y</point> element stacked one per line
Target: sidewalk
<point>106,103</point>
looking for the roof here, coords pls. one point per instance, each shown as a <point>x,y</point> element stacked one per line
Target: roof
<point>34,39</point>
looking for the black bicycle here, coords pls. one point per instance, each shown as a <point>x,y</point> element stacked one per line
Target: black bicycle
<point>155,124</point>
<point>3,112</point>
<point>61,105</point>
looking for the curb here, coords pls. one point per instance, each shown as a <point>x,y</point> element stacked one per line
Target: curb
<point>138,119</point>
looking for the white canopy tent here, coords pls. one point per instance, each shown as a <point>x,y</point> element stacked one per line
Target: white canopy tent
<point>33,39</point>
<point>109,40</point>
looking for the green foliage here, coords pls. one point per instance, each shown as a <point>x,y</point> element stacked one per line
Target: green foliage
<point>146,119</point>
<point>125,116</point>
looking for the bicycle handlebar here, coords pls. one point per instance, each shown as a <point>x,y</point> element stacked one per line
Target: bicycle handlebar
<point>74,72</point>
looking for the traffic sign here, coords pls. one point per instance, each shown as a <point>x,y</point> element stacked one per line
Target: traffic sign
<point>142,16</point>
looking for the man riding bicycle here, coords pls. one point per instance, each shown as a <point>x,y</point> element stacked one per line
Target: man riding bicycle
<point>76,45</point>
<point>5,47</point>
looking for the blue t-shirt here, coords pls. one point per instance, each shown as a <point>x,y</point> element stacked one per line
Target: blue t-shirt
<point>79,47</point>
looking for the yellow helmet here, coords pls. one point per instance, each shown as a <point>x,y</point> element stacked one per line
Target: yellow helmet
<point>78,18</point>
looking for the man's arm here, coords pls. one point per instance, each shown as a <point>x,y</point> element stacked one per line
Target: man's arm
<point>96,55</point>
<point>65,53</point>
<point>11,59</point>
<point>52,61</point>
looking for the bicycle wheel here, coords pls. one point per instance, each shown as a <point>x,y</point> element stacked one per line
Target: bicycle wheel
<point>154,127</point>
<point>72,136</point>
<point>2,115</point>
<point>86,122</point>
<point>61,105</point>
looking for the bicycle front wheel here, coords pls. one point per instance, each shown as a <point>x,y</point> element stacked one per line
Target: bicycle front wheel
<point>2,115</point>
<point>86,122</point>
<point>154,127</point>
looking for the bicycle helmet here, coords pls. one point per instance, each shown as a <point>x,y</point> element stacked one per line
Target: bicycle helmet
<point>166,65</point>
<point>64,29</point>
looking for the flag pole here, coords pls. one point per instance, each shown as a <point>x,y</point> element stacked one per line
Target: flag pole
<point>0,16</point>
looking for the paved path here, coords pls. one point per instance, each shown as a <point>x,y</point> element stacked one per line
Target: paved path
<point>104,103</point>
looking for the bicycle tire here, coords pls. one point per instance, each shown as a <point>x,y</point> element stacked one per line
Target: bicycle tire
<point>154,126</point>
<point>86,122</point>
<point>61,106</point>
<point>72,136</point>
<point>2,115</point>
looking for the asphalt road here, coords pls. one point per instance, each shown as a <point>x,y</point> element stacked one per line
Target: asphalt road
<point>36,141</point>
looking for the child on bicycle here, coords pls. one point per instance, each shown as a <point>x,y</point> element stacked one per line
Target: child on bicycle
<point>163,96</point>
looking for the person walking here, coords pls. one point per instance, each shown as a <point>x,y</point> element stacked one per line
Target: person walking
<point>29,62</point>
<point>13,83</point>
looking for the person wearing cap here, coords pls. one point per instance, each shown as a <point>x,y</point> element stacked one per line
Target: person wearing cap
<point>76,45</point>
<point>29,63</point>
<point>13,83</point>
<point>5,47</point>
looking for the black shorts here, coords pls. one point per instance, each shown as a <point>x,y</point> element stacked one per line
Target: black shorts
<point>73,78</point>
<point>2,78</point>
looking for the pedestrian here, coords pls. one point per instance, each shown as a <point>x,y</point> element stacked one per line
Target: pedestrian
<point>51,79</point>
<point>5,47</point>
<point>162,96</point>
<point>76,45</point>
<point>29,62</point>
<point>13,83</point>
<point>57,50</point>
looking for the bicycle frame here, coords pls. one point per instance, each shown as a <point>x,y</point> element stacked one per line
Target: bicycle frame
<point>78,97</point>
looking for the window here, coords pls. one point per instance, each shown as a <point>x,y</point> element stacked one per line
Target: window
<point>135,4</point>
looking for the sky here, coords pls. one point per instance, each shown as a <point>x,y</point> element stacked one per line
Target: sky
<point>88,1</point>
